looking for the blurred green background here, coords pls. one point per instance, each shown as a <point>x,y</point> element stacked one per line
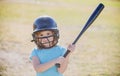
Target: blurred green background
<point>97,52</point>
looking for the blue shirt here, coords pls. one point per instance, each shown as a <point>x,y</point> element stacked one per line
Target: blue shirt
<point>46,55</point>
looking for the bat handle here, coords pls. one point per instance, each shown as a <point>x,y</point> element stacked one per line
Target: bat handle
<point>65,55</point>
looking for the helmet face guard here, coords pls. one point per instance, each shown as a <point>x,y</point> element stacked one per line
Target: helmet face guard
<point>38,40</point>
<point>44,23</point>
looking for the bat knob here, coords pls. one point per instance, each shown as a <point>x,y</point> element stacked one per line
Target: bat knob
<point>58,65</point>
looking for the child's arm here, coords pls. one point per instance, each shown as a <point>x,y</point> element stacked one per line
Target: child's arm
<point>42,67</point>
<point>63,65</point>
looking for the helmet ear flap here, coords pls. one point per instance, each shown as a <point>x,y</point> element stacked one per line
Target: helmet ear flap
<point>57,34</point>
<point>33,36</point>
<point>34,27</point>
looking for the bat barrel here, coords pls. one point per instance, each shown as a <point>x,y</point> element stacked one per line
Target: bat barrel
<point>94,15</point>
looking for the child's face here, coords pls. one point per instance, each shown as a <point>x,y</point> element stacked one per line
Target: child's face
<point>45,38</point>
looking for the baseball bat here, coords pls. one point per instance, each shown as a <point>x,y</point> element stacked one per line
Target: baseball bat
<point>91,19</point>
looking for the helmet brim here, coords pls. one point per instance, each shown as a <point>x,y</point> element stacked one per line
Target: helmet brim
<point>38,30</point>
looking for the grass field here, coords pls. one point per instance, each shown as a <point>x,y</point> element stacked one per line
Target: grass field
<point>97,52</point>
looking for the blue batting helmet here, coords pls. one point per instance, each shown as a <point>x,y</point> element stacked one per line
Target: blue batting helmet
<point>43,23</point>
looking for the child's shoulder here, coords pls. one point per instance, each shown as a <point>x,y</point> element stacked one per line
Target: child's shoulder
<point>62,49</point>
<point>59,46</point>
<point>35,49</point>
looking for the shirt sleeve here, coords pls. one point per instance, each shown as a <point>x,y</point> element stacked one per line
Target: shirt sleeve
<point>33,54</point>
<point>63,50</point>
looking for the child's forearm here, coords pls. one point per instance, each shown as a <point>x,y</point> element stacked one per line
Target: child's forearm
<point>64,65</point>
<point>45,66</point>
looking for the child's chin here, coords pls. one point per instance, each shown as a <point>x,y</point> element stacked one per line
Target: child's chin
<point>46,45</point>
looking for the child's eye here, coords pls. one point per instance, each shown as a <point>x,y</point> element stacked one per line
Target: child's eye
<point>41,35</point>
<point>48,33</point>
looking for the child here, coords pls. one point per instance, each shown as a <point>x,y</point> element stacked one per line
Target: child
<point>48,53</point>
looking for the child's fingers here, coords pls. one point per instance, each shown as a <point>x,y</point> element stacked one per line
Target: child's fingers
<point>71,47</point>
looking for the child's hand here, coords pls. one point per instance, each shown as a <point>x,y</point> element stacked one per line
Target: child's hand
<point>60,60</point>
<point>71,47</point>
